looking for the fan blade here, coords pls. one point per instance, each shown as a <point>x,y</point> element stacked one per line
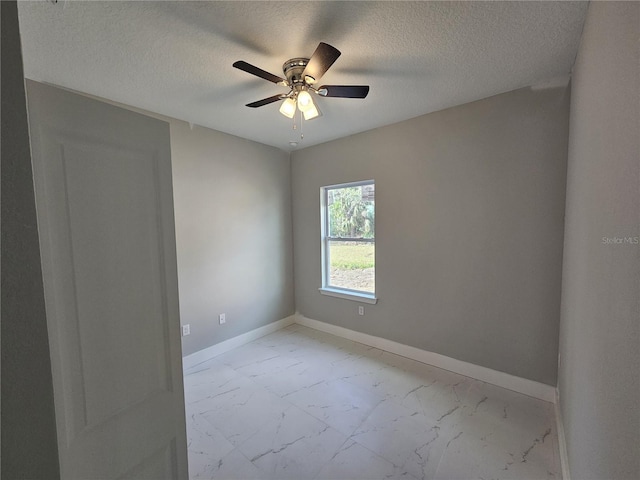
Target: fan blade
<point>344,91</point>
<point>265,101</point>
<point>258,72</point>
<point>320,61</point>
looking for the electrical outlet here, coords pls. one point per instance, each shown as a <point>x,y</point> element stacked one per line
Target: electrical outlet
<point>222,318</point>
<point>360,310</point>
<point>186,330</point>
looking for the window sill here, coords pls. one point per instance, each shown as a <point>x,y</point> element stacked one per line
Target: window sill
<point>349,295</point>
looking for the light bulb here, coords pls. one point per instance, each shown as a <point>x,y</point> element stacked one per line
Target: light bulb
<point>288,108</point>
<point>305,102</point>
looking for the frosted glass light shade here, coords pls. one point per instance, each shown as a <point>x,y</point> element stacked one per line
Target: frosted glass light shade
<point>288,108</point>
<point>305,102</point>
<point>311,113</point>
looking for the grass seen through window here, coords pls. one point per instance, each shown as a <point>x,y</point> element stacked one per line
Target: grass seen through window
<point>352,265</point>
<point>352,256</point>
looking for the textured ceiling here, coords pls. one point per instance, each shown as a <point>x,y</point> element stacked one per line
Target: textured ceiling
<point>175,58</point>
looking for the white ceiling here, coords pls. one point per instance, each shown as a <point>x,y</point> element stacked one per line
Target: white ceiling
<point>175,58</point>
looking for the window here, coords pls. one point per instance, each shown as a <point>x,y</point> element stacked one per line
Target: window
<point>349,241</point>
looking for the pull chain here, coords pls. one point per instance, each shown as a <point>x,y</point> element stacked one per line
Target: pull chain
<point>294,127</point>
<point>301,134</point>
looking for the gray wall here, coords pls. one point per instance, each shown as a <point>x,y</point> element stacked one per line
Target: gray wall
<point>29,444</point>
<point>232,200</point>
<point>599,375</point>
<point>469,230</point>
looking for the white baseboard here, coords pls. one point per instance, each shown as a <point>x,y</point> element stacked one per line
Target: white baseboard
<point>208,353</point>
<point>501,379</point>
<point>562,440</point>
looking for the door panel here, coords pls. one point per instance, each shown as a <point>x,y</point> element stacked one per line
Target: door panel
<point>159,465</point>
<point>105,213</point>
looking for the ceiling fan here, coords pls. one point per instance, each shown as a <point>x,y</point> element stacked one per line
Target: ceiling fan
<point>301,75</point>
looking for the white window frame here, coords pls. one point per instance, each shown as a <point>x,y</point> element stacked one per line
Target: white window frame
<point>326,289</point>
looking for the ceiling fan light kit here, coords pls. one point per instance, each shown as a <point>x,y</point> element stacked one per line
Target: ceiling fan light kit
<point>288,108</point>
<point>300,76</point>
<point>305,102</point>
<point>312,112</point>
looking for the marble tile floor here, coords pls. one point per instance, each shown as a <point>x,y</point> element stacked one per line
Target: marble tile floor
<point>302,404</point>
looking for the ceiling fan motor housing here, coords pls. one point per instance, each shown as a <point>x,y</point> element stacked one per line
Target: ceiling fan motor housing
<point>293,70</point>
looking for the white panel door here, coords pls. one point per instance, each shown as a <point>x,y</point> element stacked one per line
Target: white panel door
<point>105,215</point>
